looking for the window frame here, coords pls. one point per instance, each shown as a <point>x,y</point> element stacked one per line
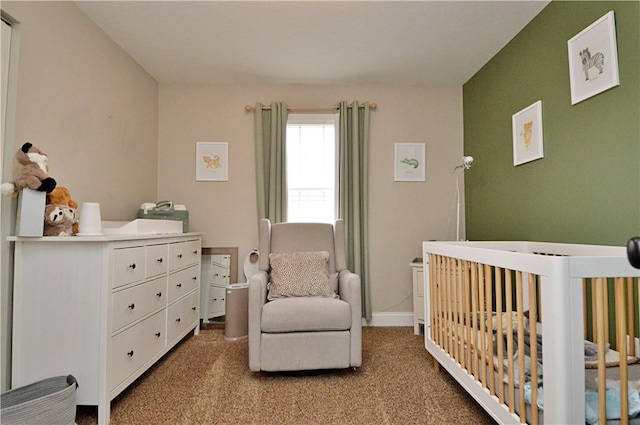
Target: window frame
<point>321,118</point>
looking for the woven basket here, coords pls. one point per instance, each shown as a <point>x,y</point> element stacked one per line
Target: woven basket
<point>50,401</point>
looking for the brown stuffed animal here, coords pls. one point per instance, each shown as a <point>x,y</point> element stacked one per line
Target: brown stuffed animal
<point>56,221</point>
<point>61,196</point>
<point>33,174</point>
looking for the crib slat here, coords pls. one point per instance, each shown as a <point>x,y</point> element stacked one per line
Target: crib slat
<point>521,366</point>
<point>607,337</point>
<point>474,317</point>
<point>600,299</point>
<point>483,330</point>
<point>533,343</point>
<point>499,334</point>
<point>489,335</point>
<point>621,339</point>
<point>594,308</point>
<point>435,297</point>
<point>447,310</point>
<point>509,309</point>
<point>447,305</point>
<point>456,305</point>
<point>467,315</point>
<point>630,319</point>
<point>443,300</point>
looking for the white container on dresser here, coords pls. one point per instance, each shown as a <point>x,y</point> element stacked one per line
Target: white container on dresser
<point>102,308</point>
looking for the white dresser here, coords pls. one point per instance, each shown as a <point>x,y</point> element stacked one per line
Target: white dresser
<point>102,308</point>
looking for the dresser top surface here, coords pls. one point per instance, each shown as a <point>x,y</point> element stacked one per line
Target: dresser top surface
<point>103,238</point>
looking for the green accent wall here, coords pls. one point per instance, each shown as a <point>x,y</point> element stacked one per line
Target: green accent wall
<point>586,189</point>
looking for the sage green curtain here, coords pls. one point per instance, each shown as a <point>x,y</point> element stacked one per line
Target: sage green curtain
<point>353,188</point>
<point>271,161</point>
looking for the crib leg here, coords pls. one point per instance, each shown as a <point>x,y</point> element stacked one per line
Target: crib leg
<point>436,365</point>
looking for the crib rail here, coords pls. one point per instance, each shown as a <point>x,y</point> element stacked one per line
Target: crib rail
<point>465,297</point>
<point>610,307</point>
<point>486,317</point>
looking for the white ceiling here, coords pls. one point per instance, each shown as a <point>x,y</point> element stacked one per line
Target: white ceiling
<point>312,42</point>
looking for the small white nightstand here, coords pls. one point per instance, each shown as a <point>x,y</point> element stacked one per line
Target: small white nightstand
<point>418,296</point>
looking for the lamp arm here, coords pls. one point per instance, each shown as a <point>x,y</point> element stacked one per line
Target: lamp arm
<point>458,204</point>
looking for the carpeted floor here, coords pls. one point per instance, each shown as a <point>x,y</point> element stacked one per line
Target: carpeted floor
<point>205,380</point>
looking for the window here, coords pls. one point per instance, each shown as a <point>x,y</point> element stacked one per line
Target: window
<point>311,167</point>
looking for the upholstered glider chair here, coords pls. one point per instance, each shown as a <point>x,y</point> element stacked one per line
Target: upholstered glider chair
<point>305,307</point>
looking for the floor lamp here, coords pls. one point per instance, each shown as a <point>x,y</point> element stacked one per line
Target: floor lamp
<point>466,164</point>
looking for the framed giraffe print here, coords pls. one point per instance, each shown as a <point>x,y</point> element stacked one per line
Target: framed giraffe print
<point>593,59</point>
<point>212,161</point>
<point>527,134</point>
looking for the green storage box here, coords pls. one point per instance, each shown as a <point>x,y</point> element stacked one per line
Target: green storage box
<point>164,210</point>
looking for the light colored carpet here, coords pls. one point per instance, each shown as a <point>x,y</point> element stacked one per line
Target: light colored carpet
<point>206,380</point>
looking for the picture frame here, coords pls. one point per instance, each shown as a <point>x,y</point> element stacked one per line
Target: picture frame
<point>593,59</point>
<point>527,134</point>
<point>212,161</point>
<point>409,160</point>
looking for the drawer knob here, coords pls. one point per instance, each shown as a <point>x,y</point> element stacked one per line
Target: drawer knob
<point>130,353</point>
<point>159,294</point>
<point>132,306</point>
<point>193,308</point>
<point>178,320</point>
<point>158,334</point>
<point>159,260</point>
<point>195,252</point>
<point>194,278</point>
<point>132,266</point>
<point>179,256</point>
<point>179,285</point>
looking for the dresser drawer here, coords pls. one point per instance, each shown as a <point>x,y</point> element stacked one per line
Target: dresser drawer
<point>183,282</point>
<point>135,346</point>
<point>128,265</point>
<point>177,256</point>
<point>182,315</point>
<point>193,252</point>
<point>133,303</point>
<point>183,254</point>
<point>157,260</point>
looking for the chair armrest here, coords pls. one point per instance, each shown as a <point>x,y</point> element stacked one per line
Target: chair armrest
<point>349,289</point>
<point>257,298</point>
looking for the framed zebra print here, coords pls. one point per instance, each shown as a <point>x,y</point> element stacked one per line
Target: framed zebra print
<point>593,59</point>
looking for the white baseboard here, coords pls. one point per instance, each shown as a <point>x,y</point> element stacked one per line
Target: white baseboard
<point>389,319</point>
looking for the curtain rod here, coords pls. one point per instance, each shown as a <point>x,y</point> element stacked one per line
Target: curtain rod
<point>250,108</point>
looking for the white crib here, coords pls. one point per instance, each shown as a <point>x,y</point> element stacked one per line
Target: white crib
<point>484,299</point>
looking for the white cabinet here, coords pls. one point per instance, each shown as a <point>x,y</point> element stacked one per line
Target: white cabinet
<point>102,308</point>
<point>215,279</point>
<point>418,297</point>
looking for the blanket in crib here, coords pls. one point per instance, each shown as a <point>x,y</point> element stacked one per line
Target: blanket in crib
<point>591,409</point>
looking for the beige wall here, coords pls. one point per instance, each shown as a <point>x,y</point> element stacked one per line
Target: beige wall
<point>88,105</point>
<point>402,214</point>
<point>91,108</point>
